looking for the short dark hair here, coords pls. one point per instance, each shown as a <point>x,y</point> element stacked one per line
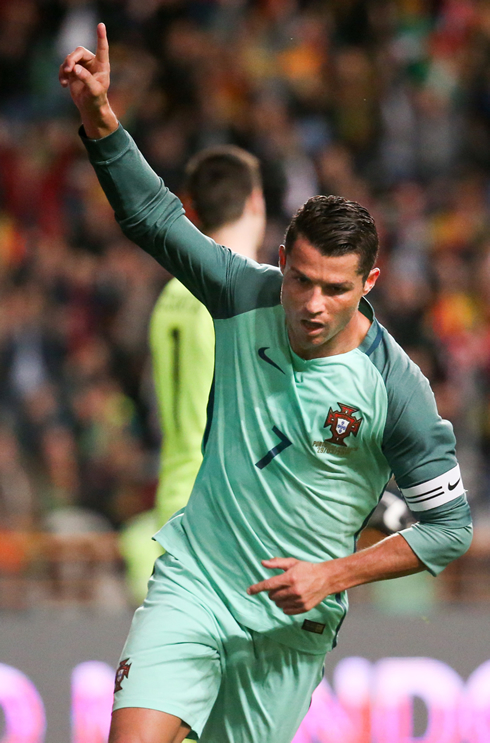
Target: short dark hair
<point>336,226</point>
<point>218,182</point>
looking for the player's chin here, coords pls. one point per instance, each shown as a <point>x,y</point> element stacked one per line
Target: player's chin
<point>308,344</point>
<point>318,338</point>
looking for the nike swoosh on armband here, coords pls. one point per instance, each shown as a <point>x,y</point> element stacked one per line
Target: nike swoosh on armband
<point>264,357</point>
<point>435,492</point>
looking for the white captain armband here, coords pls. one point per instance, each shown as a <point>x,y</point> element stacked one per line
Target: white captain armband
<point>435,492</point>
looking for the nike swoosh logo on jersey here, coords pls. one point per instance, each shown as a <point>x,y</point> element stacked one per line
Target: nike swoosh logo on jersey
<point>264,357</point>
<point>451,487</point>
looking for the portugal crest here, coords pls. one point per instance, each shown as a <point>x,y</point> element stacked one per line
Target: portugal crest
<point>122,673</point>
<point>342,424</point>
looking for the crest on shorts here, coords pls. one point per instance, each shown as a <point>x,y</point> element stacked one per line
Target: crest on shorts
<point>122,673</point>
<point>342,424</point>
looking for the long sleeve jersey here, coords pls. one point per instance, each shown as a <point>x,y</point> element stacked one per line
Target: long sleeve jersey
<point>296,452</point>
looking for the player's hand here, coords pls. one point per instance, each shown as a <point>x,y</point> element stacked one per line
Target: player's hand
<point>87,75</point>
<point>301,587</point>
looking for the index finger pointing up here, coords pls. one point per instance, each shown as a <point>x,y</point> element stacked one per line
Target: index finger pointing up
<point>102,52</point>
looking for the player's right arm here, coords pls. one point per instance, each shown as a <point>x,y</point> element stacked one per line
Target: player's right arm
<point>148,213</point>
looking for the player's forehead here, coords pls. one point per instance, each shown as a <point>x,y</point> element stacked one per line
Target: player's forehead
<point>304,258</point>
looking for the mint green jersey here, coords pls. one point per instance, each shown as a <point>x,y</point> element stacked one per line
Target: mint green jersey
<point>296,453</point>
<point>181,341</point>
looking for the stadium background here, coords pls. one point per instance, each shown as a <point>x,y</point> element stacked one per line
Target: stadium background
<point>383,101</point>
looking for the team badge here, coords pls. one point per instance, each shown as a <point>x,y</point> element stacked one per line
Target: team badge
<point>342,424</point>
<point>122,673</point>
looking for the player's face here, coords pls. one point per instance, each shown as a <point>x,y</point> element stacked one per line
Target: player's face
<point>320,296</point>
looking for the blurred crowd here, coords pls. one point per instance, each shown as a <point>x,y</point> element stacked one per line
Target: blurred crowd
<point>386,102</point>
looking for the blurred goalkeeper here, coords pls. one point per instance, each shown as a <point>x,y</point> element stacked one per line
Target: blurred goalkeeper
<point>313,406</point>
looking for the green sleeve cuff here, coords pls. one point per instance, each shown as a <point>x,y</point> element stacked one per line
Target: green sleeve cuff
<point>108,148</point>
<point>437,545</point>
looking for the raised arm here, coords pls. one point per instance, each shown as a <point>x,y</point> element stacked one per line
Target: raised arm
<point>145,209</point>
<point>148,213</point>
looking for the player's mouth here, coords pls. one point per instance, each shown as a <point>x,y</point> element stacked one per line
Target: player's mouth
<point>312,327</point>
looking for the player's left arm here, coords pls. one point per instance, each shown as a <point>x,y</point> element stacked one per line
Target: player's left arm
<point>303,585</point>
<point>442,534</point>
<point>421,449</point>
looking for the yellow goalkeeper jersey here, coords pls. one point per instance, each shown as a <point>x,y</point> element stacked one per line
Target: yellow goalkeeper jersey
<point>182,348</point>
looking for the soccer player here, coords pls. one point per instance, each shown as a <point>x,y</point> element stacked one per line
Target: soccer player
<point>313,406</point>
<point>224,188</point>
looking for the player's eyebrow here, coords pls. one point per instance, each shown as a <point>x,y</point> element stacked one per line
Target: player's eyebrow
<point>347,285</point>
<point>342,285</point>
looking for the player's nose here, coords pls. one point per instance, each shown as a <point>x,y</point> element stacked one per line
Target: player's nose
<point>316,302</point>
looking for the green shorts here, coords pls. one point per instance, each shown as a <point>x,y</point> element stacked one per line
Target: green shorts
<point>186,655</point>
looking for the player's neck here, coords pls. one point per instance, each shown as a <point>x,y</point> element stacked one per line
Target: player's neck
<point>354,335</point>
<point>241,236</point>
<point>359,331</point>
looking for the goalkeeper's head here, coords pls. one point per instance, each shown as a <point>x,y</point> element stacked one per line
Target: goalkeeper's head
<point>223,187</point>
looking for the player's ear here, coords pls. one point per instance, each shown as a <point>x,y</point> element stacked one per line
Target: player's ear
<point>189,209</point>
<point>282,258</point>
<point>370,281</point>
<point>256,201</point>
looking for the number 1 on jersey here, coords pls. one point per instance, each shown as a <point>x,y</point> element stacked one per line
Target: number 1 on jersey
<point>284,443</point>
<point>175,334</point>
